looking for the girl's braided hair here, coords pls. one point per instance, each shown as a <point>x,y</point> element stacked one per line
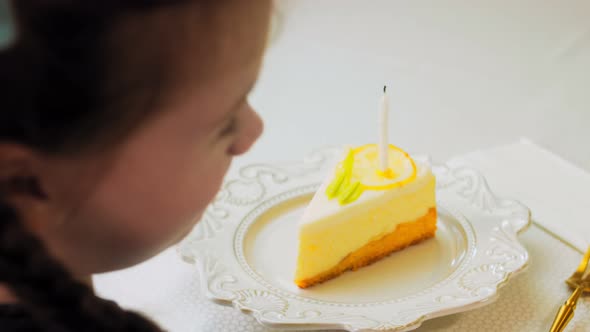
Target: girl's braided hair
<point>52,83</point>
<point>55,300</point>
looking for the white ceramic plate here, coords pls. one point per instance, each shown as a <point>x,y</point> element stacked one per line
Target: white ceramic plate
<point>245,251</point>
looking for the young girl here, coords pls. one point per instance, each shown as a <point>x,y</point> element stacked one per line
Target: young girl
<point>118,121</point>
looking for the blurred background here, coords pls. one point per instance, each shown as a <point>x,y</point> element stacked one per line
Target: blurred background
<point>462,75</point>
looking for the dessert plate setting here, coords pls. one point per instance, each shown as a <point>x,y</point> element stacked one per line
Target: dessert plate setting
<point>245,249</point>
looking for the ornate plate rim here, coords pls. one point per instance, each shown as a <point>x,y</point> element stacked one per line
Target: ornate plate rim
<point>225,280</point>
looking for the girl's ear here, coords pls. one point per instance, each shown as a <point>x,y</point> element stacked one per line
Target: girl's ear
<point>17,172</point>
<point>18,175</point>
<point>20,184</point>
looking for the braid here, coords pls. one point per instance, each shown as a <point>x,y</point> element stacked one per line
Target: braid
<point>49,292</point>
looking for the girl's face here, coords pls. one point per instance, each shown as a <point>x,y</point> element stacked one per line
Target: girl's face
<point>154,187</point>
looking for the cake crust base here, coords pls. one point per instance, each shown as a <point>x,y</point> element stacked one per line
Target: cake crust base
<point>404,235</point>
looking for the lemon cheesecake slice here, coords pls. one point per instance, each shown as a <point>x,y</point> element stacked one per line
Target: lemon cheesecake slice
<point>361,214</point>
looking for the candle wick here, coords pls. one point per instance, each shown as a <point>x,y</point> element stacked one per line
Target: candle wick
<point>384,88</point>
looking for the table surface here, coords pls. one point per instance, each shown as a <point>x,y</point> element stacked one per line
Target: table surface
<point>462,75</point>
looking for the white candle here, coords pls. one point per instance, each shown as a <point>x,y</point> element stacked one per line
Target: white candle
<point>383,126</point>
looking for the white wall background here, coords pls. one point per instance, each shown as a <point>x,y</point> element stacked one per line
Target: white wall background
<point>462,75</point>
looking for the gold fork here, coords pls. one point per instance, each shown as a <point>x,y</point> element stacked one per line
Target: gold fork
<point>574,280</point>
<point>581,283</point>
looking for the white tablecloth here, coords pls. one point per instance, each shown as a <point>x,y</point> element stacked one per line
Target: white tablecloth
<point>462,75</point>
<point>557,192</point>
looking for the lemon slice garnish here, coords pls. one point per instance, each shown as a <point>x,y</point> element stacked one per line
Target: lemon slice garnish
<point>359,171</point>
<point>366,170</point>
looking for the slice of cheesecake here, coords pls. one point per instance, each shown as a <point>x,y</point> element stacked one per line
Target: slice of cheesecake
<point>361,214</point>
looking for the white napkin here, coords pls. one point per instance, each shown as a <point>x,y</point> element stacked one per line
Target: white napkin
<point>556,191</point>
